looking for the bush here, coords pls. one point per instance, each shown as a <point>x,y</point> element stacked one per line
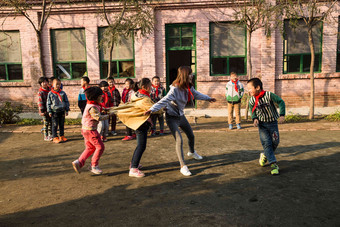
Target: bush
<point>73,121</point>
<point>29,121</point>
<point>9,113</point>
<point>333,117</point>
<point>293,118</point>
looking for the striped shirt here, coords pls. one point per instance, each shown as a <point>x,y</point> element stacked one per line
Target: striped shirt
<point>266,110</point>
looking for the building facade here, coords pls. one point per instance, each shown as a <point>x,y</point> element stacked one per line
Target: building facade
<point>201,34</point>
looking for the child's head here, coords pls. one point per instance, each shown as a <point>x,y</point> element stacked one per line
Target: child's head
<point>43,82</point>
<point>254,86</point>
<point>128,83</point>
<point>94,94</point>
<point>233,76</point>
<point>184,77</point>
<point>156,80</point>
<point>85,81</point>
<point>56,84</point>
<point>145,84</point>
<point>104,86</point>
<point>111,81</point>
<point>50,80</point>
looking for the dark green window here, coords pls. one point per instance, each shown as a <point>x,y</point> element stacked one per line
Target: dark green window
<point>123,60</point>
<point>10,56</point>
<point>179,36</point>
<point>297,54</point>
<point>338,49</point>
<point>227,49</point>
<point>69,53</point>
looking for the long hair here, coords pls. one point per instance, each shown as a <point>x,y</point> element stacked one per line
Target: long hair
<point>182,81</point>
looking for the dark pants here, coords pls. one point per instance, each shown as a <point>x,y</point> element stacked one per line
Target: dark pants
<point>160,118</point>
<point>113,121</point>
<point>58,120</point>
<point>270,139</point>
<point>142,135</point>
<point>47,125</point>
<point>128,131</point>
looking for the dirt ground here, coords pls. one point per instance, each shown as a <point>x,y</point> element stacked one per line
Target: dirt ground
<point>228,188</point>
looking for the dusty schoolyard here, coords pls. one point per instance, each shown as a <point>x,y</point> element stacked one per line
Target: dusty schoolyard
<point>228,188</point>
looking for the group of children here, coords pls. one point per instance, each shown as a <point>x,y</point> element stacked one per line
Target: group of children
<point>143,103</point>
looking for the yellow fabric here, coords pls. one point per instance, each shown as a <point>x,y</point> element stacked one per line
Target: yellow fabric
<point>132,113</point>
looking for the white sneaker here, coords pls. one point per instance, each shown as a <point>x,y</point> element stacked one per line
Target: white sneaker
<point>76,166</point>
<point>185,171</point>
<point>195,155</point>
<point>96,170</point>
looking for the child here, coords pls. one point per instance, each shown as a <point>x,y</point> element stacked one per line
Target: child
<point>234,94</point>
<point>265,115</point>
<point>132,115</point>
<point>92,139</point>
<point>126,97</point>
<point>103,126</point>
<point>181,92</point>
<point>42,101</point>
<point>116,101</point>
<point>57,107</point>
<point>85,83</point>
<point>157,93</point>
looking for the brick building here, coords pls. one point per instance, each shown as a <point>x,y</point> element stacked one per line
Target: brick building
<point>185,34</point>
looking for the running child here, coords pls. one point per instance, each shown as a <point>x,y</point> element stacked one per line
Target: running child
<point>265,115</point>
<point>116,101</point>
<point>126,97</point>
<point>93,142</point>
<point>42,105</point>
<point>157,93</point>
<point>181,92</point>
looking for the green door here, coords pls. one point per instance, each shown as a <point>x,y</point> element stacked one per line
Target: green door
<point>180,49</point>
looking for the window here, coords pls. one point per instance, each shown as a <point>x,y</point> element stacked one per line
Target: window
<point>10,56</point>
<point>338,49</point>
<point>123,62</point>
<point>227,49</point>
<point>69,53</point>
<point>180,35</point>
<point>296,54</point>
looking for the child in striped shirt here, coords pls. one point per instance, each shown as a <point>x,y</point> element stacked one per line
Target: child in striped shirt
<point>265,115</point>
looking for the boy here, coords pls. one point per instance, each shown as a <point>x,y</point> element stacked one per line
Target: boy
<point>265,115</point>
<point>85,83</point>
<point>116,101</point>
<point>57,107</point>
<point>93,143</point>
<point>103,126</point>
<point>234,94</point>
<point>42,101</point>
<point>157,93</point>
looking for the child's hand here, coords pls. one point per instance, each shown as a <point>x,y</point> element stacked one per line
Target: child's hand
<point>212,100</point>
<point>147,112</point>
<point>256,122</point>
<point>281,119</point>
<point>50,114</point>
<point>42,114</point>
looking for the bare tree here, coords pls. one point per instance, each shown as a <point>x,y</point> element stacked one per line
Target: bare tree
<point>312,13</point>
<point>134,17</point>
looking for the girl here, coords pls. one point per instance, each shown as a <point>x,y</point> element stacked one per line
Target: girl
<point>116,101</point>
<point>126,97</point>
<point>181,92</point>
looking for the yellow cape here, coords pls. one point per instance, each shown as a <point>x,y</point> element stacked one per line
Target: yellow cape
<point>132,113</point>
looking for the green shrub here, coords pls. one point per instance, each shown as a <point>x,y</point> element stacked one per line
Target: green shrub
<point>73,121</point>
<point>293,118</point>
<point>333,117</point>
<point>29,121</point>
<point>9,113</point>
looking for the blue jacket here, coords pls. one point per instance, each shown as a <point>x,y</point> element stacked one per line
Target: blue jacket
<point>55,105</point>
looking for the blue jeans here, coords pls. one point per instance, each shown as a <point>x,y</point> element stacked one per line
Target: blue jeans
<point>58,119</point>
<point>270,139</point>
<point>160,118</point>
<point>142,136</point>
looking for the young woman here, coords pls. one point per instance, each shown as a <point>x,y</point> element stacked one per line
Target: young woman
<point>181,92</point>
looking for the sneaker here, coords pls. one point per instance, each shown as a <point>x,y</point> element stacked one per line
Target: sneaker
<point>275,169</point>
<point>96,170</point>
<point>56,140</point>
<point>263,159</point>
<point>230,126</point>
<point>238,126</point>
<point>104,139</point>
<point>127,138</point>
<point>134,172</point>
<point>76,166</point>
<point>185,171</point>
<point>113,133</point>
<point>139,166</point>
<point>62,138</point>
<point>161,132</point>
<point>47,138</point>
<point>51,138</point>
<point>195,155</point>
<point>152,132</point>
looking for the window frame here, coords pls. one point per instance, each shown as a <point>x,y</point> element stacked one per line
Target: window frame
<point>227,58</point>
<point>13,63</point>
<point>337,69</point>
<point>116,61</point>
<point>53,44</point>
<point>301,55</point>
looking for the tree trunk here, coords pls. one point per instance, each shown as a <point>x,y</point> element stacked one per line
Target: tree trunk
<point>110,60</point>
<point>249,68</point>
<point>41,64</point>
<point>311,45</point>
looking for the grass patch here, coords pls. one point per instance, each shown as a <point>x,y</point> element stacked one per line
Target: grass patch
<point>333,117</point>
<point>73,121</point>
<point>29,121</point>
<point>294,118</point>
